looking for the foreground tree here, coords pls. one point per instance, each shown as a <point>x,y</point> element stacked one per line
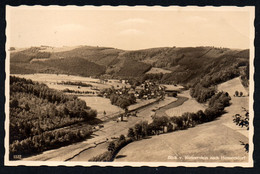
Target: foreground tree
<point>243,121</point>
<point>111,147</point>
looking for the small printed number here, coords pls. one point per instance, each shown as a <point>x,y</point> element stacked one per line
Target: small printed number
<point>17,156</point>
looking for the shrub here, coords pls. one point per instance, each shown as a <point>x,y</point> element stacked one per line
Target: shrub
<point>131,133</point>
<point>106,156</point>
<point>122,137</point>
<point>111,146</point>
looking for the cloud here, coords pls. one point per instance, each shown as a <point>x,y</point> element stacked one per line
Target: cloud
<point>130,32</point>
<point>132,21</point>
<point>69,27</point>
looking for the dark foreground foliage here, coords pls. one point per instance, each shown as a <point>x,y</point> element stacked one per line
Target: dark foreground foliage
<point>242,121</point>
<point>113,148</point>
<point>39,117</point>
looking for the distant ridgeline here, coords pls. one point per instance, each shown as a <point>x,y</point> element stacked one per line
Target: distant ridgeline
<point>40,118</point>
<point>183,65</point>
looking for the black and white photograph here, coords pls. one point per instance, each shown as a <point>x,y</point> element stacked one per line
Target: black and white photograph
<point>129,86</point>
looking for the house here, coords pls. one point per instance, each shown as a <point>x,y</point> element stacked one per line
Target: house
<point>172,90</point>
<point>171,93</point>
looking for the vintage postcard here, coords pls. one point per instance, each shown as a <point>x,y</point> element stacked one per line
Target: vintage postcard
<point>129,86</point>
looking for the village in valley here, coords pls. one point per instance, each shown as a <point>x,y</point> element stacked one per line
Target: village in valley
<point>167,90</point>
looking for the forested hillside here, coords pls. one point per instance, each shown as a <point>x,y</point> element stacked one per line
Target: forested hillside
<point>185,65</point>
<point>39,117</point>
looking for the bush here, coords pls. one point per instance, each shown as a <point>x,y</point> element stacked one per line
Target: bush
<point>111,153</point>
<point>111,146</point>
<point>122,137</point>
<point>106,156</point>
<point>131,133</point>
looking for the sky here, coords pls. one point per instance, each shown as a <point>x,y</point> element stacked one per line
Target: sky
<point>128,28</point>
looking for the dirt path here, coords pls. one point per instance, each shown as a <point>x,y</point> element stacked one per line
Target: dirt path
<point>209,142</point>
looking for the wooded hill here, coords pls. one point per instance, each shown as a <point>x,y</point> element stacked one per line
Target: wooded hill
<point>41,118</point>
<point>187,65</point>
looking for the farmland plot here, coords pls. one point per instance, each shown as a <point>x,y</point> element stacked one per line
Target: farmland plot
<point>190,105</point>
<point>101,104</point>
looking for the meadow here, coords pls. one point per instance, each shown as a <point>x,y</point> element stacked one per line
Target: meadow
<point>191,105</point>
<point>101,104</point>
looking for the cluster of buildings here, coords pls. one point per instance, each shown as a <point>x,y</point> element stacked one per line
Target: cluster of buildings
<point>146,90</point>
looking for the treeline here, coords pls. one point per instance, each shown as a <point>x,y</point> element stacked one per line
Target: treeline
<point>202,94</point>
<point>245,76</point>
<point>165,124</point>
<point>75,83</point>
<point>113,148</point>
<point>119,98</point>
<point>35,110</point>
<point>204,88</point>
<point>77,92</point>
<point>48,140</point>
<point>123,101</point>
<point>219,77</point>
<point>22,85</point>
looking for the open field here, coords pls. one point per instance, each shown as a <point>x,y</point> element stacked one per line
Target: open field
<point>56,78</point>
<point>59,49</point>
<point>232,86</point>
<point>157,70</point>
<point>214,139</point>
<point>190,105</point>
<point>52,79</point>
<point>101,104</point>
<point>70,87</point>
<point>161,111</point>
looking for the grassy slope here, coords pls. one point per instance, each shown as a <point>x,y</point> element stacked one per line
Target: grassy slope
<point>191,105</point>
<point>233,85</point>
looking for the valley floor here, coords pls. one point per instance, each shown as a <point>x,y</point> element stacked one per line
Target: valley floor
<point>219,138</point>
